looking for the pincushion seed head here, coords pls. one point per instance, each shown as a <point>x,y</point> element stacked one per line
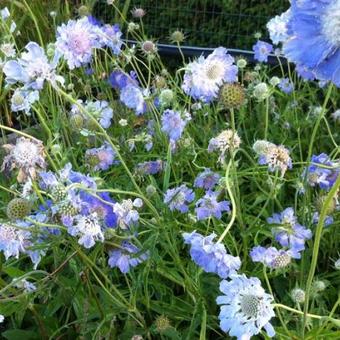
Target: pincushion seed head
<point>232,95</point>
<point>77,121</point>
<point>67,209</point>
<point>58,193</point>
<point>138,13</point>
<point>319,285</point>
<point>18,208</point>
<point>160,82</point>
<point>241,63</point>
<point>83,11</point>
<point>166,97</point>
<point>282,260</point>
<point>177,37</point>
<point>162,323</point>
<point>298,295</point>
<point>149,47</point>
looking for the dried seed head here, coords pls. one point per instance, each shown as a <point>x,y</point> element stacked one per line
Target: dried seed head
<point>298,295</point>
<point>149,47</point>
<point>18,208</point>
<point>138,12</point>
<point>162,323</point>
<point>232,95</point>
<point>177,37</point>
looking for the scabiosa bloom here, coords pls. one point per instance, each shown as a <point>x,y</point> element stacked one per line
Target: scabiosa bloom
<point>324,177</point>
<point>225,141</point>
<point>314,40</point>
<point>204,76</point>
<point>288,232</point>
<point>179,198</point>
<point>208,206</point>
<point>245,308</point>
<point>118,79</point>
<point>76,41</point>
<point>100,158</point>
<point>32,69</point>
<point>212,257</point>
<point>27,286</point>
<point>277,27</point>
<point>271,256</point>
<point>126,257</point>
<point>206,179</point>
<point>27,155</point>
<point>262,50</point>
<point>127,216</point>
<point>286,85</point>
<point>88,229</point>
<point>275,156</point>
<point>12,240</point>
<point>22,100</point>
<point>327,222</point>
<point>110,36</point>
<point>173,124</point>
<point>149,168</point>
<point>133,97</point>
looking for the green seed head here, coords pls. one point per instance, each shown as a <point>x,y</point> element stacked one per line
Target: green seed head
<point>18,208</point>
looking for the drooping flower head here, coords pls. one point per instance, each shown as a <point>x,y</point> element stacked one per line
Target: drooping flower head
<point>212,257</point>
<point>206,179</point>
<point>127,216</point>
<point>209,206</point>
<point>288,232</point>
<point>314,37</point>
<point>322,172</point>
<point>245,307</point>
<point>27,155</point>
<point>204,76</point>
<point>179,198</point>
<point>126,257</point>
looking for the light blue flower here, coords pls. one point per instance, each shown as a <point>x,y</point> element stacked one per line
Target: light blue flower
<point>132,96</point>
<point>207,179</point>
<point>179,198</point>
<point>173,124</point>
<point>245,307</point>
<point>262,50</point>
<point>271,256</point>
<point>212,257</point>
<point>208,206</point>
<point>100,158</point>
<point>22,100</point>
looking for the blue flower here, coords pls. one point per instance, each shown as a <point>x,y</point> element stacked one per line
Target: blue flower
<point>118,79</point>
<point>288,232</point>
<point>212,257</point>
<point>100,158</point>
<point>286,85</point>
<point>262,50</point>
<point>204,76</point>
<point>173,124</point>
<point>110,36</point>
<point>179,198</point>
<point>271,256</point>
<point>245,307</point>
<point>314,37</point>
<point>327,222</point>
<point>323,175</point>
<point>22,100</point>
<point>127,216</point>
<point>132,96</point>
<point>206,179</point>
<point>278,29</point>
<point>208,206</point>
<point>149,168</point>
<point>126,257</point>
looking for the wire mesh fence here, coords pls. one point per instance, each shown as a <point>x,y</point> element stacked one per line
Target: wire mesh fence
<point>210,23</point>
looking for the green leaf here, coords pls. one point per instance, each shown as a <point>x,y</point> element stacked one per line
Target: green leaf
<point>18,334</point>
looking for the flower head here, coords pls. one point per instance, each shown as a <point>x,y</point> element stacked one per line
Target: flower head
<point>173,124</point>
<point>277,27</point>
<point>100,158</point>
<point>262,51</point>
<point>271,257</point>
<point>22,100</point>
<point>208,206</point>
<point>245,308</point>
<point>206,179</point>
<point>149,168</point>
<point>127,216</point>
<point>204,76</point>
<point>27,155</point>
<point>212,257</point>
<point>179,198</point>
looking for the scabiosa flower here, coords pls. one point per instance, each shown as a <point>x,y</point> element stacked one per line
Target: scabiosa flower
<point>288,232</point>
<point>245,308</point>
<point>275,156</point>
<point>100,158</point>
<point>327,222</point>
<point>27,286</point>
<point>22,100</point>
<point>110,36</point>
<point>118,79</point>
<point>173,124</point>
<point>208,206</point>
<point>76,41</point>
<point>12,240</point>
<point>32,69</point>
<point>88,229</point>
<point>8,49</point>
<point>27,155</point>
<point>227,140</point>
<point>133,97</point>
<point>206,179</point>
<point>277,27</point>
<point>149,168</point>
<point>212,257</point>
<point>126,257</point>
<point>271,256</point>
<point>323,175</point>
<point>314,37</point>
<point>262,50</point>
<point>286,85</point>
<point>178,198</point>
<point>204,76</point>
<point>127,216</point>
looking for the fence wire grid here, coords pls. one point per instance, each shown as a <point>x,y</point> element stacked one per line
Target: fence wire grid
<point>209,23</point>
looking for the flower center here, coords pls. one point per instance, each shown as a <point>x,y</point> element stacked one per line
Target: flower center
<point>18,99</point>
<point>214,71</point>
<point>331,24</point>
<point>250,305</point>
<point>25,154</point>
<point>79,42</point>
